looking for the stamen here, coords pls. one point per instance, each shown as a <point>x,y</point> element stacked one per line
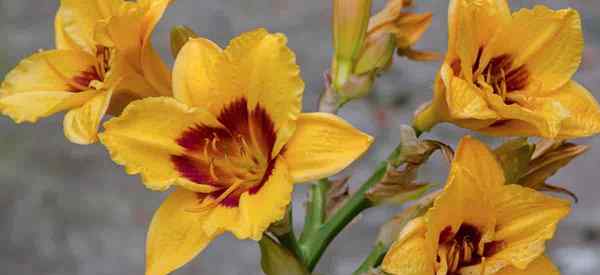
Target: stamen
<point>244,146</point>
<point>227,192</point>
<point>206,142</point>
<point>214,142</point>
<point>482,271</point>
<point>212,169</point>
<point>207,206</point>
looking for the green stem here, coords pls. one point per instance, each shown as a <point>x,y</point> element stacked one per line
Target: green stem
<point>315,212</point>
<point>284,231</point>
<point>373,260</point>
<point>315,246</point>
<point>289,241</point>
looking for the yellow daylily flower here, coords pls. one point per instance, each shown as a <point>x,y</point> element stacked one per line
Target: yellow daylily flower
<point>103,60</point>
<point>510,74</point>
<point>479,225</point>
<point>233,141</point>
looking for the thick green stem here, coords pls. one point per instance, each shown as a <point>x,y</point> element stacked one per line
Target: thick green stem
<point>315,212</point>
<point>284,231</point>
<point>373,260</point>
<point>315,246</point>
<point>289,241</point>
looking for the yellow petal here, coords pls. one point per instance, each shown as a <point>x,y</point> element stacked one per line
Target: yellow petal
<point>144,138</point>
<point>476,158</point>
<point>526,219</point>
<point>176,235</point>
<point>541,266</point>
<point>583,109</point>
<point>62,40</point>
<point>194,80</point>
<point>549,43</point>
<point>154,68</point>
<point>81,124</point>
<point>259,66</point>
<point>79,19</point>
<point>410,255</point>
<point>123,77</point>
<point>471,24</point>
<point>475,177</point>
<point>269,204</point>
<point>323,145</point>
<point>256,211</point>
<point>40,85</point>
<point>568,112</point>
<point>120,32</point>
<point>546,115</point>
<point>464,99</point>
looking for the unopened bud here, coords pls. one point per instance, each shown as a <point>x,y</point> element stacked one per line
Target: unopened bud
<point>179,36</point>
<point>350,22</point>
<point>377,54</point>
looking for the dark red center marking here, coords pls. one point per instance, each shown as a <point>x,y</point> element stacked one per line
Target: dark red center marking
<point>240,153</point>
<point>463,247</point>
<point>82,81</point>
<point>499,73</point>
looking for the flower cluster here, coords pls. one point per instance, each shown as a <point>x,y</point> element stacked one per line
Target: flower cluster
<point>224,129</point>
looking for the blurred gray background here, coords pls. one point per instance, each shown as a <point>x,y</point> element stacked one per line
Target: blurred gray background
<point>68,209</point>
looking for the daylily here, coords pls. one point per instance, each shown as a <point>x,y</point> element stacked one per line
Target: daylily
<point>478,224</point>
<point>233,141</point>
<point>103,59</point>
<point>510,74</point>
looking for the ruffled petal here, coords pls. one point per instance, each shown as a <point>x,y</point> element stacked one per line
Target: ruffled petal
<point>548,43</point>
<point>176,235</point>
<point>42,85</point>
<point>194,79</point>
<point>323,145</point>
<point>261,67</point>
<point>81,124</point>
<point>526,219</point>
<point>541,266</point>
<point>256,210</point>
<point>144,138</point>
<point>583,109</point>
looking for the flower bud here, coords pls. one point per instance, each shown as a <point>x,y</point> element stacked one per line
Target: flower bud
<point>179,36</point>
<point>377,54</point>
<point>277,260</point>
<point>350,22</point>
